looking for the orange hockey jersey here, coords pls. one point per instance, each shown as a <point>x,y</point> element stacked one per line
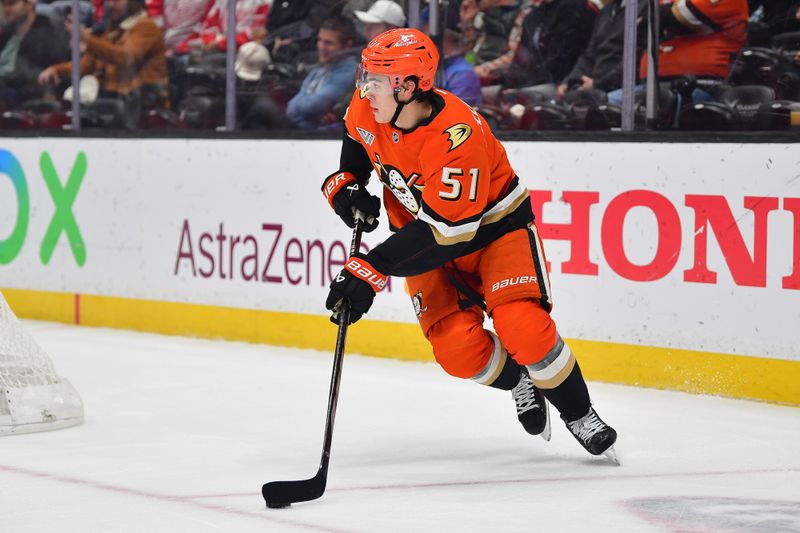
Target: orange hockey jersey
<point>718,29</point>
<point>449,188</point>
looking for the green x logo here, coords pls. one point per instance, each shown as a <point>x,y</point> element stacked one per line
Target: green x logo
<point>63,198</point>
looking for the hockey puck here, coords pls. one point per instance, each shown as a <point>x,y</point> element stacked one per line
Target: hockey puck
<point>275,505</point>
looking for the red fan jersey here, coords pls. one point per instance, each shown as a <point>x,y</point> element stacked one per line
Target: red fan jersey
<point>718,29</point>
<point>449,179</point>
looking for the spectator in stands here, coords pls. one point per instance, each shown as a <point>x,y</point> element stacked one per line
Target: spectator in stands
<point>128,59</point>
<point>28,44</point>
<point>286,12</point>
<point>698,39</point>
<point>181,18</point>
<point>486,25</point>
<point>490,72</point>
<point>211,36</point>
<point>292,27</point>
<point>154,9</point>
<point>781,16</point>
<point>381,16</point>
<point>496,17</point>
<point>349,7</point>
<point>257,108</point>
<point>600,65</point>
<point>332,80</point>
<point>546,44</point>
<point>57,11</point>
<point>459,75</point>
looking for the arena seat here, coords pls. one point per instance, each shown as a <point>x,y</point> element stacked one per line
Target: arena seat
<point>578,104</point>
<point>746,100</point>
<point>780,115</point>
<point>786,43</point>
<point>765,66</point>
<point>107,113</point>
<point>159,119</point>
<point>603,117</point>
<point>202,112</point>
<point>17,120</point>
<point>47,114</point>
<point>707,116</point>
<point>547,116</point>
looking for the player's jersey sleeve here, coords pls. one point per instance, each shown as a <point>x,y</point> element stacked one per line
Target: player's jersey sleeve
<point>706,16</point>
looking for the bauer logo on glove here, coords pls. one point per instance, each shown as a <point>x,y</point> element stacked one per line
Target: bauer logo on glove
<point>363,270</point>
<point>334,182</point>
<point>357,283</point>
<point>350,200</point>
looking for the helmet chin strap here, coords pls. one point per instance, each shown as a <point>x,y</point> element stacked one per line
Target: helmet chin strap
<point>401,105</point>
<point>398,109</point>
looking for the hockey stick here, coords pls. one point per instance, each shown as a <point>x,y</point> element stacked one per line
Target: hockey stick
<point>278,494</point>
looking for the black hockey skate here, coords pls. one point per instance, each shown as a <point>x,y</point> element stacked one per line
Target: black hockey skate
<point>532,410</point>
<point>595,436</point>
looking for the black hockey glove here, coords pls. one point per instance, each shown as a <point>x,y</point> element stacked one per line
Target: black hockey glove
<point>357,282</point>
<point>350,199</point>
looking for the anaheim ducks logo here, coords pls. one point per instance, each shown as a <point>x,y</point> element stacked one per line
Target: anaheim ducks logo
<point>457,135</point>
<point>402,188</point>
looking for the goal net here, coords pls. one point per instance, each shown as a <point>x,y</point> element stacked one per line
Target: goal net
<point>32,396</point>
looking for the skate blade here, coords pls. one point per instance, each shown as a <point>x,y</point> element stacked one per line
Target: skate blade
<point>545,434</point>
<point>611,455</point>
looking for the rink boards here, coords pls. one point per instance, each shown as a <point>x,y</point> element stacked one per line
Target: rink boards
<point>672,265</point>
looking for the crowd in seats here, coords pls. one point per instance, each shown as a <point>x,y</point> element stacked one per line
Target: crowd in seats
<point>25,49</point>
<point>723,65</point>
<point>524,64</point>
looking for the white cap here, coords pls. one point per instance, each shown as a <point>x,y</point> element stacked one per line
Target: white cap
<point>251,60</point>
<point>88,88</point>
<point>384,11</point>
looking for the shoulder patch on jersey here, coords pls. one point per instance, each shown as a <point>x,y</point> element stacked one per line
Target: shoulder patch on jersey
<point>367,136</point>
<point>457,135</point>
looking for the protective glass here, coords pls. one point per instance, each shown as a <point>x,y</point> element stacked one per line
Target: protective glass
<point>369,83</point>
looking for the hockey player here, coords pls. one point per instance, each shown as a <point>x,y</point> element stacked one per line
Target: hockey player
<point>463,233</point>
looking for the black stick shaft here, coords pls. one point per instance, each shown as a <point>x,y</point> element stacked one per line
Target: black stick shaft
<point>284,493</point>
<point>338,358</point>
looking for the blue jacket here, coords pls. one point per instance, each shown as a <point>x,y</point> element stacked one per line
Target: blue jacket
<point>461,80</point>
<point>322,88</point>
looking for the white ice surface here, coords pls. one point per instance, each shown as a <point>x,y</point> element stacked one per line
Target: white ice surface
<point>180,434</point>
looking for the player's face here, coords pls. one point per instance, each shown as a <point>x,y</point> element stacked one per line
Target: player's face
<point>380,93</point>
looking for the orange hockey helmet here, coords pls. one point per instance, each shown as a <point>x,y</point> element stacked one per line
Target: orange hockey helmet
<point>400,53</point>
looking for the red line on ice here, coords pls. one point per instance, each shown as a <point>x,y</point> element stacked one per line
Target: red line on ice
<point>482,482</point>
<point>164,498</point>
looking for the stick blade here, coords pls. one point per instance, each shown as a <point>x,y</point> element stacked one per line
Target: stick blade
<point>279,494</point>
